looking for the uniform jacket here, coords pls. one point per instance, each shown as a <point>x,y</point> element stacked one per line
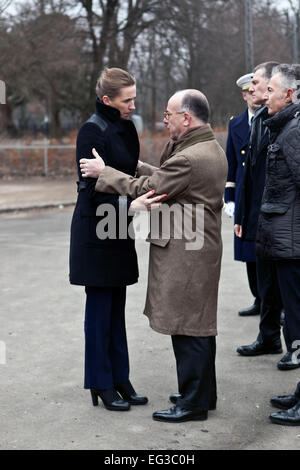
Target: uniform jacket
<point>236,150</point>
<point>182,284</point>
<point>254,176</point>
<point>94,261</point>
<point>278,235</point>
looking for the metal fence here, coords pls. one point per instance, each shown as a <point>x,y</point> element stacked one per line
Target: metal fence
<point>17,161</point>
<point>45,148</point>
<point>54,160</point>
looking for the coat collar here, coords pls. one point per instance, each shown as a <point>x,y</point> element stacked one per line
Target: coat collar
<point>279,120</point>
<point>262,111</point>
<point>239,120</point>
<point>113,114</point>
<point>192,136</point>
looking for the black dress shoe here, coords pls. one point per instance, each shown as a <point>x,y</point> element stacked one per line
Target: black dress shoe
<point>111,400</point>
<point>253,310</point>
<point>257,349</point>
<point>284,402</point>
<point>129,394</point>
<point>176,414</point>
<point>287,363</point>
<point>290,417</point>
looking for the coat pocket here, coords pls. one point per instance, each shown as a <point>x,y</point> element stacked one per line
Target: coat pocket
<point>162,242</point>
<point>270,208</point>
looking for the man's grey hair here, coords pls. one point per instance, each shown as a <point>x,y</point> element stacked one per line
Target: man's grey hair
<point>195,103</point>
<point>289,79</point>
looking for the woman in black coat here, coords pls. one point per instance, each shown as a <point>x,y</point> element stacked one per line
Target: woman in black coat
<point>106,266</point>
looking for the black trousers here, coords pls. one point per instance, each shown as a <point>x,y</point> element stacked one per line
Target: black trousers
<point>106,352</point>
<point>252,280</point>
<point>271,303</point>
<point>288,274</point>
<point>196,374</point>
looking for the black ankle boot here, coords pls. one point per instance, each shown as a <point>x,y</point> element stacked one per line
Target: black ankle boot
<point>111,400</point>
<point>129,394</point>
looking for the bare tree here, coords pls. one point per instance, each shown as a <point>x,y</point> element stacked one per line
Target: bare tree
<point>113,27</point>
<point>4,4</point>
<point>53,51</point>
<point>293,17</point>
<point>42,57</point>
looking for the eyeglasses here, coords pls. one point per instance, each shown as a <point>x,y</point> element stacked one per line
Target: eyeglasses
<point>167,114</point>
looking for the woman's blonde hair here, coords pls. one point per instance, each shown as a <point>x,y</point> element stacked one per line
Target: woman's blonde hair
<point>111,81</point>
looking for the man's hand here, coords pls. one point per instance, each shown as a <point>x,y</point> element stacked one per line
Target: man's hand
<point>92,168</point>
<point>229,208</point>
<point>146,202</point>
<point>238,230</point>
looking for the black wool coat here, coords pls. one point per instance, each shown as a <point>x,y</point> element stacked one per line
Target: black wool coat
<point>248,207</point>
<point>95,261</point>
<point>278,234</point>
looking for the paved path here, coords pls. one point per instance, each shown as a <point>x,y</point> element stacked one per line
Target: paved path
<point>43,404</point>
<point>36,193</point>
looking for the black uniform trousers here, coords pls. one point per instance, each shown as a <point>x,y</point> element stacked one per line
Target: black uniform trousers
<point>271,303</point>
<point>279,284</point>
<point>106,353</point>
<point>196,374</point>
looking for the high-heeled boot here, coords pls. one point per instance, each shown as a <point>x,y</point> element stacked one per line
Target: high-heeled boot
<point>111,400</point>
<point>127,391</point>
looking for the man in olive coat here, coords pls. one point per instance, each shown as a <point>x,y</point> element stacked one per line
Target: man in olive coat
<point>183,275</point>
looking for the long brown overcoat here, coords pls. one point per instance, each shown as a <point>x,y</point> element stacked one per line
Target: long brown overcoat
<point>183,283</point>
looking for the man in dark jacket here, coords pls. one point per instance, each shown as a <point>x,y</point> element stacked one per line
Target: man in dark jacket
<point>278,234</point>
<point>268,340</point>
<point>236,150</point>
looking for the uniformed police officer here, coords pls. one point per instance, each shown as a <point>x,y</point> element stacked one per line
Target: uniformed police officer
<point>237,142</point>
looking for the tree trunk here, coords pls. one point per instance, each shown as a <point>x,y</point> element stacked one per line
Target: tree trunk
<point>7,125</point>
